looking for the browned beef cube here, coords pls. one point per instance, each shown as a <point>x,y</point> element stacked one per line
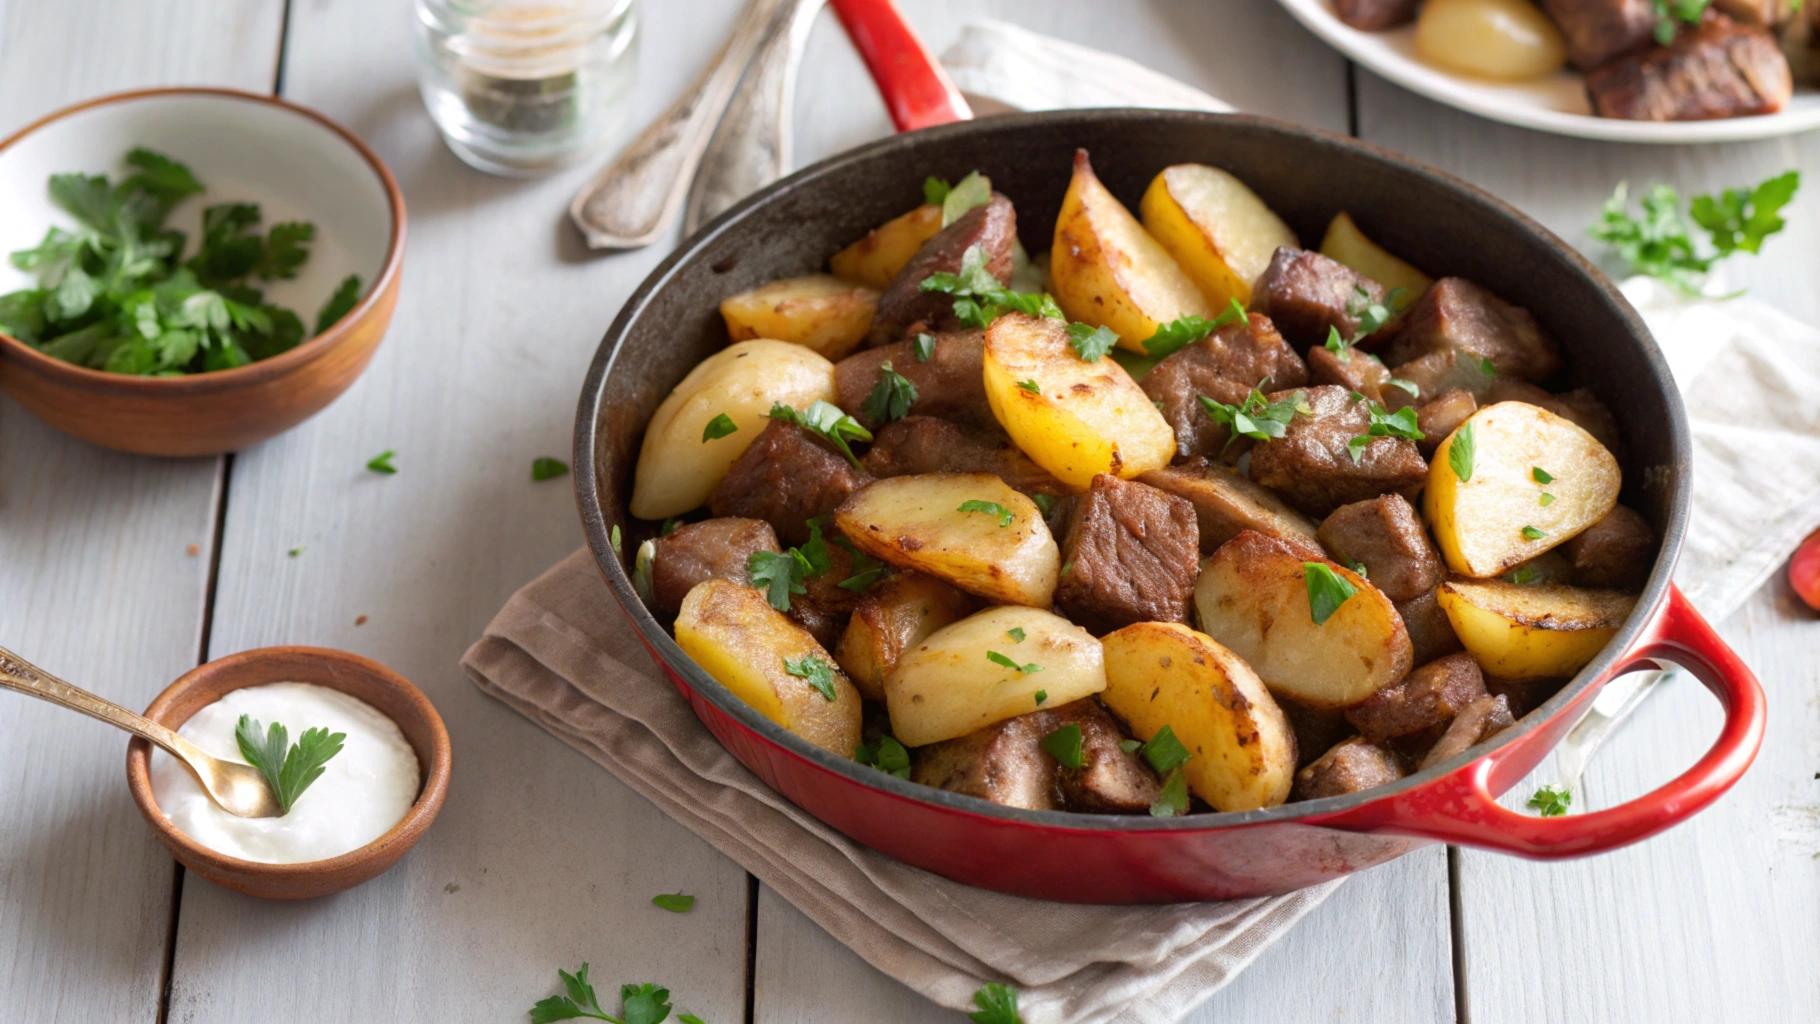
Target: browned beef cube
<point>1351,766</point>
<point>714,549</point>
<point>1598,30</point>
<point>923,444</point>
<point>1316,729</point>
<point>1354,370</point>
<point>1579,406</point>
<point>1438,373</point>
<point>1311,467</point>
<point>1004,763</point>
<point>1480,720</point>
<point>1131,554</point>
<point>1721,69</point>
<point>950,385</point>
<point>1431,633</point>
<point>1385,535</point>
<point>1224,366</point>
<point>1426,700</point>
<point>1523,695</point>
<point>1456,314</point>
<point>826,606</point>
<point>1109,780</point>
<point>1306,294</point>
<point>904,308</point>
<point>1442,416</point>
<point>1376,15</point>
<point>1227,503</point>
<point>787,477</point>
<point>1616,552</point>
<point>1770,14</point>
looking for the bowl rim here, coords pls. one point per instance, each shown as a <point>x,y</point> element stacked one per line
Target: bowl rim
<point>433,788</point>
<point>673,660</point>
<point>260,371</point>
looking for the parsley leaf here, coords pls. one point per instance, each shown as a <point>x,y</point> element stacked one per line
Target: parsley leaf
<point>346,296</point>
<point>1256,417</point>
<point>718,427</point>
<point>1414,390</point>
<point>998,659</point>
<point>827,420</point>
<point>613,539</point>
<point>1337,345</point>
<point>935,190</point>
<point>866,569</point>
<point>980,298</point>
<point>579,1001</point>
<point>973,190</point>
<point>891,397</point>
<point>887,755</point>
<point>287,772</point>
<point>1327,591</point>
<point>991,508</point>
<point>1016,633</point>
<point>1534,533</point>
<point>1401,423</point>
<point>1740,220</point>
<point>1031,386</point>
<point>1546,499</point>
<point>1551,802</point>
<point>1173,800</point>
<point>1130,746</point>
<point>1041,695</point>
<point>1460,452</point>
<point>923,346</point>
<point>1045,503</point>
<point>674,902</point>
<point>546,468</point>
<point>1372,315</point>
<point>1540,475</point>
<point>816,672</point>
<point>1669,11</point>
<point>1164,751</point>
<point>1523,575</point>
<point>1091,343</point>
<point>1064,745</point>
<point>382,463</point>
<point>1659,243</point>
<point>778,575</point>
<point>1183,331</point>
<point>644,1004</point>
<point>997,1005</point>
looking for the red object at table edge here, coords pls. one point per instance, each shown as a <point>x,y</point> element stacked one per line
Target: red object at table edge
<point>916,90</point>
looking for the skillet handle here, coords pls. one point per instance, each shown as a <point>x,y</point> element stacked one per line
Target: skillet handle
<point>916,90</point>
<point>1461,808</point>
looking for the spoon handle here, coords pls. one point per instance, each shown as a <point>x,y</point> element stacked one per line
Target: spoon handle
<point>18,674</point>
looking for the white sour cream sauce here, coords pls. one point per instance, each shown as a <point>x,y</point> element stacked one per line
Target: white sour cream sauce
<point>363,791</point>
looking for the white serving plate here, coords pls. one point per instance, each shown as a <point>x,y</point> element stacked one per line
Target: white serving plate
<point>1555,104</point>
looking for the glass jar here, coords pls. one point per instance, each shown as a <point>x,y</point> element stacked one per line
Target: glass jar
<point>523,87</point>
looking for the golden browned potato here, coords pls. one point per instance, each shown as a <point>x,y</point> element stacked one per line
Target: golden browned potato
<point>1242,753</point>
<point>893,616</point>
<point>1073,418</point>
<point>1254,598</point>
<point>1107,269</point>
<point>1532,480</point>
<point>680,461</point>
<point>1345,243</point>
<point>1535,631</point>
<point>970,529</point>
<point>978,671</point>
<point>1220,233</point>
<point>824,313</point>
<point>1504,40</point>
<point>769,662</point>
<point>875,259</point>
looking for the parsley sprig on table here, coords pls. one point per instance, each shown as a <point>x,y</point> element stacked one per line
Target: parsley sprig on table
<point>997,1005</point>
<point>639,1004</point>
<point>1659,243</point>
<point>980,298</point>
<point>1551,802</point>
<point>289,768</point>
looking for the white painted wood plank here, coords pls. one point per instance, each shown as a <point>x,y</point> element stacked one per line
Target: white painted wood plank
<point>1719,918</point>
<point>540,859</point>
<point>99,585</point>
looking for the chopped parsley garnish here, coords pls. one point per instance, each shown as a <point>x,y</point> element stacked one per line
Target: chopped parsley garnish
<point>347,293</point>
<point>1541,476</point>
<point>1183,331</point>
<point>1533,533</point>
<point>1372,315</point>
<point>289,768</point>
<point>1041,696</point>
<point>546,468</point>
<point>998,659</point>
<point>1358,567</point>
<point>674,902</point>
<point>1659,242</point>
<point>780,575</point>
<point>1130,746</point>
<point>1670,11</point>
<point>1551,802</point>
<point>1091,343</point>
<point>612,538</point>
<point>997,1005</point>
<point>1337,345</point>
<point>669,526</point>
<point>1016,633</point>
<point>814,671</point>
<point>294,552</point>
<point>1523,575</point>
<point>891,397</point>
<point>923,346</point>
<point>866,569</point>
<point>887,755</point>
<point>1401,423</point>
<point>1460,452</point>
<point>980,298</point>
<point>639,1004</point>
<point>1044,503</point>
<point>1031,386</point>
<point>1414,390</point>
<point>1173,800</point>
<point>1546,499</point>
<point>829,422</point>
<point>1327,591</point>
<point>718,427</point>
<point>1164,751</point>
<point>973,190</point>
<point>382,463</point>
<point>1064,745</point>
<point>1256,417</point>
<point>991,508</point>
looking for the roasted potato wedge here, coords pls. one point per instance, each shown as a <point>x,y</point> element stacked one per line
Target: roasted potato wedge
<point>1107,269</point>
<point>1345,243</point>
<point>893,616</point>
<point>1073,418</point>
<point>950,684</point>
<point>1495,519</point>
<point>821,312</point>
<point>677,469</point>
<point>1253,598</point>
<point>875,259</point>
<point>748,647</point>
<point>1218,230</point>
<point>917,522</point>
<point>1242,750</point>
<point>1536,631</point>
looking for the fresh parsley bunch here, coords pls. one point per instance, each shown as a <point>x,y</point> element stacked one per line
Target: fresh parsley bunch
<point>639,1004</point>
<point>1659,243</point>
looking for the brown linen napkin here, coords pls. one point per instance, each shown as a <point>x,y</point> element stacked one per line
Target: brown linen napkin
<point>563,653</point>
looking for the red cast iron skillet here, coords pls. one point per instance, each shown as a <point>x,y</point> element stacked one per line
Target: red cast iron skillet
<point>1439,223</point>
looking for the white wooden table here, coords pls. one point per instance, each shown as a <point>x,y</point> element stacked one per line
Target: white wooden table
<point>541,860</point>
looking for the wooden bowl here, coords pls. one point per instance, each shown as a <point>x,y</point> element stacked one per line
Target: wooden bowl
<point>297,165</point>
<point>387,691</point>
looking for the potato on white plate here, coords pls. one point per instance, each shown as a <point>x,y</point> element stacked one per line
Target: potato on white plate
<point>819,311</point>
<point>1503,40</point>
<point>1345,243</point>
<point>992,665</point>
<point>969,529</point>
<point>892,616</point>
<point>1511,482</point>
<point>1258,598</point>
<point>1534,631</point>
<point>1073,418</point>
<point>769,662</point>
<point>681,461</point>
<point>875,259</point>
<point>1109,272</point>
<point>1242,752</point>
<point>1218,230</point>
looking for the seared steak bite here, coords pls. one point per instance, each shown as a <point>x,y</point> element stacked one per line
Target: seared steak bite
<point>1311,467</point>
<point>787,477</point>
<point>1110,780</point>
<point>1456,314</point>
<point>1426,700</point>
<point>1006,764</point>
<point>1477,721</point>
<point>1227,503</point>
<point>1352,765</point>
<point>1598,30</point>
<point>1305,293</point>
<point>710,549</point>
<point>1441,416</point>
<point>1376,15</point>
<point>916,445</point>
<point>826,607</point>
<point>1224,366</point>
<point>904,305</point>
<point>1616,552</point>
<point>950,385</point>
<point>1385,535</point>
<point>1316,729</point>
<point>1431,632</point>
<point>1438,373</point>
<point>1131,555</point>
<point>1353,370</point>
<point>1720,69</point>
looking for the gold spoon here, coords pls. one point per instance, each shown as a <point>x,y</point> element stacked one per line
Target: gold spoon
<point>237,788</point>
